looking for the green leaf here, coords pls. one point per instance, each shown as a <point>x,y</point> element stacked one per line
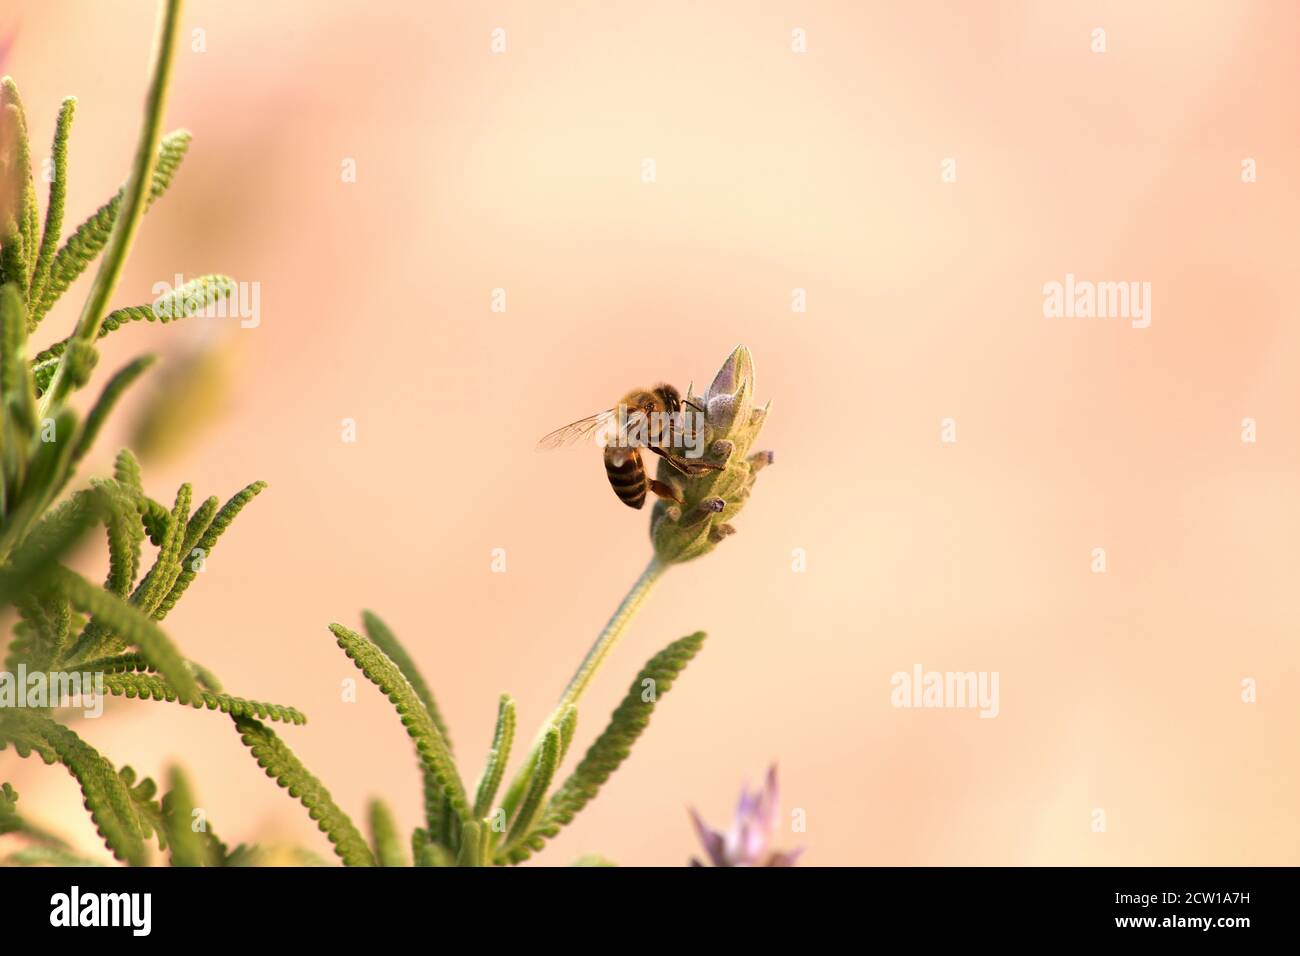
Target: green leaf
<point>498,756</point>
<point>50,539</point>
<point>43,631</point>
<point>280,763</point>
<point>540,781</point>
<point>147,809</point>
<point>47,470</point>
<point>206,543</point>
<point>129,625</point>
<point>436,811</point>
<point>13,257</point>
<point>188,847</point>
<point>89,239</point>
<point>382,636</point>
<point>151,687</point>
<point>17,165</point>
<point>58,195</point>
<point>16,385</point>
<point>199,523</point>
<point>157,584</point>
<point>46,856</point>
<point>134,663</point>
<point>471,845</point>
<point>429,742</point>
<point>10,822</point>
<point>611,748</point>
<point>126,469</point>
<point>99,413</point>
<point>107,798</point>
<point>125,536</point>
<point>426,852</point>
<point>190,299</point>
<point>384,837</point>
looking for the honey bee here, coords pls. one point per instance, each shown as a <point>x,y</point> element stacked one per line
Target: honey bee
<point>649,419</point>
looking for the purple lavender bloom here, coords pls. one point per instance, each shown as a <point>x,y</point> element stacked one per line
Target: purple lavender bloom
<point>747,842</point>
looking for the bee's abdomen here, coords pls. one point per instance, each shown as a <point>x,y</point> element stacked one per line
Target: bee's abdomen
<point>626,475</point>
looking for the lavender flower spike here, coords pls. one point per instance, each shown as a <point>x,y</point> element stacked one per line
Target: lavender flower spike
<point>709,500</point>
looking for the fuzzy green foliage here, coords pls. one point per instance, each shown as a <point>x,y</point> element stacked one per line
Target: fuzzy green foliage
<point>65,623</point>
<point>191,299</point>
<point>287,770</point>
<point>495,768</point>
<point>430,744</point>
<point>384,836</point>
<point>437,809</point>
<point>89,239</point>
<point>107,798</point>
<point>151,687</point>
<point>485,834</point>
<point>610,749</point>
<point>10,821</point>
<point>187,836</point>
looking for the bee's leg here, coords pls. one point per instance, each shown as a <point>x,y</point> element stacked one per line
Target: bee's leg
<point>691,467</point>
<point>665,490</point>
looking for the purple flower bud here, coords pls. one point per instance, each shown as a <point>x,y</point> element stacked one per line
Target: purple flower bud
<point>748,841</point>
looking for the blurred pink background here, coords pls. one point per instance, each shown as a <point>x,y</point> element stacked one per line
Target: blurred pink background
<point>775,171</point>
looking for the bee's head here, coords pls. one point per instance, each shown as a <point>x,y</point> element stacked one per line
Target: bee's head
<point>671,398</point>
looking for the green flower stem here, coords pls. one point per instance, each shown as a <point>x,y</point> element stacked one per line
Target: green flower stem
<point>627,610</point>
<point>612,632</point>
<point>134,197</point>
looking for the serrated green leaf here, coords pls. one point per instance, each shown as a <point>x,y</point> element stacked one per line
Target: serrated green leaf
<point>191,299</point>
<point>126,469</point>
<point>89,239</point>
<point>128,625</point>
<point>146,686</point>
<point>502,738</point>
<point>548,759</point>
<point>54,207</point>
<point>206,543</point>
<point>280,764</point>
<point>382,636</point>
<point>125,534</point>
<point>611,748</point>
<point>189,847</point>
<point>429,742</point>
<point>384,838</point>
<point>107,798</point>
<point>51,538</point>
<point>436,811</point>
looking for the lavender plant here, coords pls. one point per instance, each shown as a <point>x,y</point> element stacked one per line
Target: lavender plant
<point>68,624</point>
<point>470,827</point>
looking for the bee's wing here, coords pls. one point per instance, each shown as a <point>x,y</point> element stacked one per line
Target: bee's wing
<point>596,428</point>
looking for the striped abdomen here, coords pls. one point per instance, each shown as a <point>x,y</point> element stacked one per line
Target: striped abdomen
<point>626,474</point>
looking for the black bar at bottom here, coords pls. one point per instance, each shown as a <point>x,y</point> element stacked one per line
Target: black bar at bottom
<point>333,905</point>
